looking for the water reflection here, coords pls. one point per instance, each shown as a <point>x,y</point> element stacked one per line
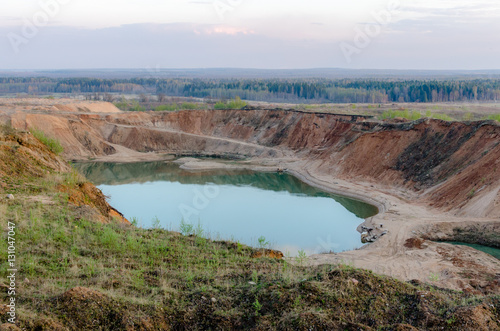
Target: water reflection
<point>143,172</point>
<point>238,205</point>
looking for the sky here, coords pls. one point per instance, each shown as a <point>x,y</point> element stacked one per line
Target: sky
<point>291,34</point>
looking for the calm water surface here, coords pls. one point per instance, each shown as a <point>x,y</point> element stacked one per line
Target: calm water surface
<point>237,205</point>
<point>488,250</point>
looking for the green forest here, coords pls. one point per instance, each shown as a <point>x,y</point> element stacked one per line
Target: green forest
<point>272,90</point>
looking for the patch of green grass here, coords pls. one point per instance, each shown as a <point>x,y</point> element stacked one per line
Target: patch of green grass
<point>53,144</point>
<point>129,105</point>
<point>170,107</point>
<point>122,104</point>
<point>182,106</point>
<point>471,194</point>
<point>468,117</point>
<point>263,243</point>
<point>389,114</point>
<point>434,277</point>
<point>301,258</point>
<point>413,115</point>
<point>72,178</point>
<point>495,117</point>
<point>135,106</point>
<point>189,106</point>
<point>186,228</point>
<point>438,116</point>
<point>236,103</point>
<point>257,306</point>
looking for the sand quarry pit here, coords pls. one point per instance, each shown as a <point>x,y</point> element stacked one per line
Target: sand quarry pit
<point>431,179</point>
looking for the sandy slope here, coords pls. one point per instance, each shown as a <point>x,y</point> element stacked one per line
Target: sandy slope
<point>56,105</point>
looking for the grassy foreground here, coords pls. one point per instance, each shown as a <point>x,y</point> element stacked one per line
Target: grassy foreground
<point>77,273</point>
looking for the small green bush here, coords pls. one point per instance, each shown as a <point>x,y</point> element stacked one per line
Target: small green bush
<point>53,144</point>
<point>122,105</point>
<point>220,105</point>
<point>135,106</point>
<point>126,105</point>
<point>189,106</point>
<point>172,107</point>
<point>236,103</point>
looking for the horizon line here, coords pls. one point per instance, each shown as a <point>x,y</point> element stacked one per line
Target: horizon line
<point>242,68</point>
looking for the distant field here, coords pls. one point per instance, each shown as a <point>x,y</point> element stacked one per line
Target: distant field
<point>456,111</point>
<point>460,111</point>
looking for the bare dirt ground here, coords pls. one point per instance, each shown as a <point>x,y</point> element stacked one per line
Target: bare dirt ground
<point>56,105</point>
<point>332,153</point>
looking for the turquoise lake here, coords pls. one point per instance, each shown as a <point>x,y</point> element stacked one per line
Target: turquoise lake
<point>495,252</point>
<point>233,205</point>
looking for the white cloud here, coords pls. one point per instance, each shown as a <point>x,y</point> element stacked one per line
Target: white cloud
<point>468,10</point>
<point>223,29</point>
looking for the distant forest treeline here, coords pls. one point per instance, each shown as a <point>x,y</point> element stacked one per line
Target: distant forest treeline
<point>272,90</point>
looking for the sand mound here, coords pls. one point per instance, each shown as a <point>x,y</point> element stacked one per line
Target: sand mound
<point>57,105</point>
<point>88,107</point>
